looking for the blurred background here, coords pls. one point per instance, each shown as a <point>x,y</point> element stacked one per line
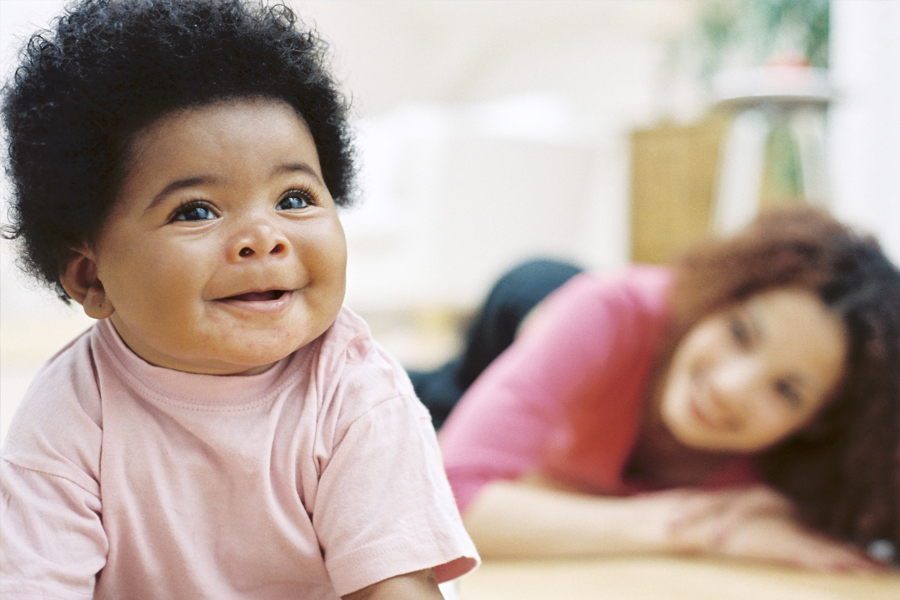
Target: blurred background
<point>601,131</point>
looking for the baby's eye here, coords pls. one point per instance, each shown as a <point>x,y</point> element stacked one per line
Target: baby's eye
<point>294,201</point>
<point>194,211</point>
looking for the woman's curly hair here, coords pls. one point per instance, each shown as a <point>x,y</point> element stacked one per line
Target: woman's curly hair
<point>843,471</point>
<point>112,67</point>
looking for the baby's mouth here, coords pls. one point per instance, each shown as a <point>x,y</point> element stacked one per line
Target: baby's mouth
<point>258,296</point>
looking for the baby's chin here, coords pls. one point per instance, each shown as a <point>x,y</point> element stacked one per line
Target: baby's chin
<point>263,349</point>
<point>256,370</point>
<point>233,364</point>
<point>254,365</point>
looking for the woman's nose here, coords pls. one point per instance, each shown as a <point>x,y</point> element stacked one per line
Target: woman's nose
<point>735,383</point>
<point>258,239</point>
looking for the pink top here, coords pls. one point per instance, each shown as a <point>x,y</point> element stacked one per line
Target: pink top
<point>312,480</point>
<point>593,345</point>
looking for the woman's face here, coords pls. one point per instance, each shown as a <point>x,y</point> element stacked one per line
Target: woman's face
<point>751,375</point>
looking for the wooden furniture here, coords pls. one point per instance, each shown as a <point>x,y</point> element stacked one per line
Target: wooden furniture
<point>666,578</point>
<point>673,172</point>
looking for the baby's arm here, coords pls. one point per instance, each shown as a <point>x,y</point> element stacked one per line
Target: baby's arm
<point>54,542</point>
<point>420,584</point>
<point>383,506</point>
<point>53,539</point>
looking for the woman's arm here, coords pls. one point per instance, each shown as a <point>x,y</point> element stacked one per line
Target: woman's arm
<point>775,539</point>
<point>517,413</point>
<point>516,519</point>
<point>529,519</point>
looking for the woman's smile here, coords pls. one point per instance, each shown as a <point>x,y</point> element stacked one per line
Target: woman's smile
<point>700,413</point>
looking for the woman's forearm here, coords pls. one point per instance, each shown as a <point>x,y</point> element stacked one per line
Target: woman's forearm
<point>515,519</point>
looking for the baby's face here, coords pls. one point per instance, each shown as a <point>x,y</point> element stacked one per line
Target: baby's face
<point>223,252</point>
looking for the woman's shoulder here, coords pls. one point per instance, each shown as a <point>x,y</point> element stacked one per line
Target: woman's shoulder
<point>636,279</point>
<point>598,312</point>
<point>633,289</point>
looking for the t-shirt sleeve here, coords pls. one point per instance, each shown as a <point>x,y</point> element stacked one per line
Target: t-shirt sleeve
<point>53,540</point>
<point>53,543</point>
<point>384,507</point>
<point>506,420</point>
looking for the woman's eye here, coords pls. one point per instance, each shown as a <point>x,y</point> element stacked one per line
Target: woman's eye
<point>789,393</point>
<point>739,332</point>
<point>294,201</point>
<point>194,212</point>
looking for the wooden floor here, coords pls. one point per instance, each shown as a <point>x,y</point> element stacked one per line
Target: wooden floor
<point>666,578</point>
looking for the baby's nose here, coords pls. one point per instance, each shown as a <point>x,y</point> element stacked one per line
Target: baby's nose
<point>257,240</point>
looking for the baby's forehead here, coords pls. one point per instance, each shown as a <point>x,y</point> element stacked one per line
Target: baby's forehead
<point>194,120</point>
<point>219,144</point>
<point>234,103</point>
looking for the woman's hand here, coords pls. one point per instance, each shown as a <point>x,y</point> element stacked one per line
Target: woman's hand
<point>786,541</point>
<point>754,522</point>
<point>702,520</point>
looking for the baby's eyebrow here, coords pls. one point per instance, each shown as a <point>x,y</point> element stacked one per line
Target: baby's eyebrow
<point>181,184</point>
<point>294,167</point>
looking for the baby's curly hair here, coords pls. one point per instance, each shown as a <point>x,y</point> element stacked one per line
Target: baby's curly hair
<point>843,471</point>
<point>109,68</point>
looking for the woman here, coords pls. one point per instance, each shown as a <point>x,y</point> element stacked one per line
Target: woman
<point>745,402</point>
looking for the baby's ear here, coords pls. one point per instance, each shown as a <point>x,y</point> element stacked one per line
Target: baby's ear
<point>79,279</point>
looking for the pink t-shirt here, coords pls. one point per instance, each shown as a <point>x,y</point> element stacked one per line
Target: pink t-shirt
<point>312,480</point>
<point>593,345</point>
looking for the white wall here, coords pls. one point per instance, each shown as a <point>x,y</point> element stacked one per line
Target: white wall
<point>489,131</point>
<point>865,119</point>
<point>492,131</point>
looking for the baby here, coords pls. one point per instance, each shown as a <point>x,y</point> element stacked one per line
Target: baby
<point>226,429</point>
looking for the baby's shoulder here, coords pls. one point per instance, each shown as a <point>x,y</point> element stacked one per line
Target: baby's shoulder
<point>348,328</point>
<point>355,371</point>
<point>349,343</point>
<point>68,380</point>
<point>60,411</point>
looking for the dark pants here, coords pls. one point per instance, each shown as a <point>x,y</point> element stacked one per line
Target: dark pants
<point>491,332</point>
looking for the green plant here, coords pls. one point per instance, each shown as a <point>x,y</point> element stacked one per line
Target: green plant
<point>756,32</point>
